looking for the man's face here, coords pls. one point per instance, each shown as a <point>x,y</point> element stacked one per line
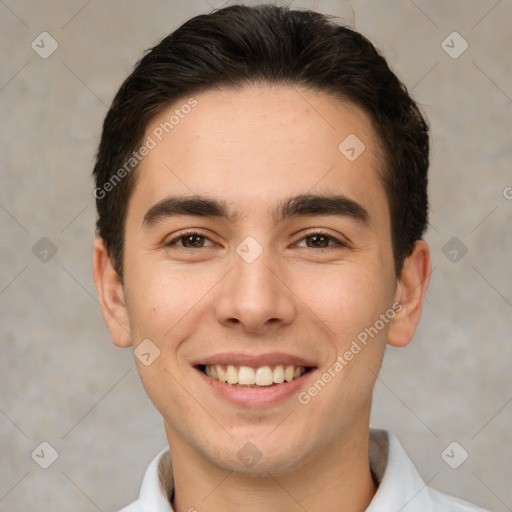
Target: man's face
<point>260,279</point>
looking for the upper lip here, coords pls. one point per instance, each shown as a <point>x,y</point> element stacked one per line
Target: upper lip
<point>255,360</point>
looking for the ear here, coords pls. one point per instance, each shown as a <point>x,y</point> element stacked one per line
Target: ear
<point>111,296</point>
<point>411,290</point>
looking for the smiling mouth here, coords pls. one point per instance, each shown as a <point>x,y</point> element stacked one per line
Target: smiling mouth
<point>248,377</point>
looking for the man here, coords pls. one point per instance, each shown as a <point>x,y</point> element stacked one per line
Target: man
<point>261,192</point>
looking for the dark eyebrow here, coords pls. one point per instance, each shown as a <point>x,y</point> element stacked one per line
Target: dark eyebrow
<point>295,206</point>
<point>309,204</point>
<point>187,205</point>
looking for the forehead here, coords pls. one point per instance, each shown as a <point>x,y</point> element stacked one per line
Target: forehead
<point>255,145</point>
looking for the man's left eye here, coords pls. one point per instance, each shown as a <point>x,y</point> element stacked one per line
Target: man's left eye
<point>319,241</point>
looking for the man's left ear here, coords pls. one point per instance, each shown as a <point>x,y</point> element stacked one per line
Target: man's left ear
<point>411,290</point>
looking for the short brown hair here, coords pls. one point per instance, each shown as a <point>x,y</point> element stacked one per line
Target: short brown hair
<point>267,45</point>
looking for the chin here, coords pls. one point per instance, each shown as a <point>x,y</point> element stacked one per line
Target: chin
<point>260,458</point>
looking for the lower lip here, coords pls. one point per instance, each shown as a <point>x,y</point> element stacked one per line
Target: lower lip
<point>256,397</point>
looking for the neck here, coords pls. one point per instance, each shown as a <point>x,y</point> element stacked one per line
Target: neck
<point>337,479</point>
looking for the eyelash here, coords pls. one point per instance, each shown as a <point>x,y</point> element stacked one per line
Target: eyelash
<point>321,233</point>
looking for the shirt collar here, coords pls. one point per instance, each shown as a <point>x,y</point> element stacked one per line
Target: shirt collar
<point>158,485</point>
<point>400,487</point>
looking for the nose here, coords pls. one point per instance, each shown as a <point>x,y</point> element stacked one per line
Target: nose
<point>254,299</point>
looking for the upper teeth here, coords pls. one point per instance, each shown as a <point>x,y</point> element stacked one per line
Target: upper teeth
<point>261,376</point>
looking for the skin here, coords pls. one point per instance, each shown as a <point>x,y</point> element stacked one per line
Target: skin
<point>253,148</point>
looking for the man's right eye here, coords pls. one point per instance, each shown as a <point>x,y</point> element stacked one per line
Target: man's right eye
<point>190,240</point>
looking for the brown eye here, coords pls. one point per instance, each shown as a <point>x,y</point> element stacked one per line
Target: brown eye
<point>317,241</point>
<point>192,241</point>
<point>320,240</point>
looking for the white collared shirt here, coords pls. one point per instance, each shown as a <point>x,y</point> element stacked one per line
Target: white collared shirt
<point>400,487</point>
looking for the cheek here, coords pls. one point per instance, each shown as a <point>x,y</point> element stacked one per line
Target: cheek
<point>347,298</point>
<point>161,298</point>
<point>150,307</point>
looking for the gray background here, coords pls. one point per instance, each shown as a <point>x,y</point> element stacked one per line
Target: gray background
<point>61,379</point>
